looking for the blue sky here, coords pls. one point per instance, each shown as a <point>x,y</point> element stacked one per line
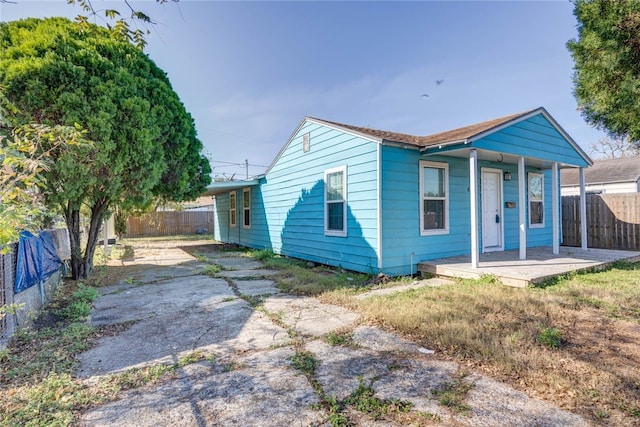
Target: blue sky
<point>249,72</point>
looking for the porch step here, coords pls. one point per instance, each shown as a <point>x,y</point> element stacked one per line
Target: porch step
<point>456,273</point>
<point>541,264</point>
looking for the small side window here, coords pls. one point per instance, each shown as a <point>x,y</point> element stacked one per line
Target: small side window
<point>434,198</point>
<point>536,200</point>
<point>232,209</point>
<point>335,200</point>
<point>246,208</point>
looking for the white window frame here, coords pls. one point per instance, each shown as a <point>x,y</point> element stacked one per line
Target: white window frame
<point>426,164</point>
<point>327,231</point>
<point>233,209</point>
<point>530,199</point>
<point>246,210</point>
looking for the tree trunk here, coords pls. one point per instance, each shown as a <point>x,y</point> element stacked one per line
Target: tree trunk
<point>97,216</point>
<point>72,218</point>
<point>82,266</point>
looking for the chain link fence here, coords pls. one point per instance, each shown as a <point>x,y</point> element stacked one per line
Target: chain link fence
<point>18,309</point>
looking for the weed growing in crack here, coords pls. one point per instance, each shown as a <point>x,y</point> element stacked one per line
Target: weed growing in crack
<point>255,301</point>
<point>344,339</point>
<point>212,269</point>
<point>453,394</point>
<point>189,358</point>
<point>364,400</point>
<point>305,362</point>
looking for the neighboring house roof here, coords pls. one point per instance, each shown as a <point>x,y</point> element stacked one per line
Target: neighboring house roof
<point>624,169</point>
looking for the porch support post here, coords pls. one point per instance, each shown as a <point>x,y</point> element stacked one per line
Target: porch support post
<point>522,185</point>
<point>555,208</point>
<point>473,196</point>
<point>583,210</point>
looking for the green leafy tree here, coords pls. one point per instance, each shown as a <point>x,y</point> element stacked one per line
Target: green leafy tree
<point>607,65</point>
<point>144,141</point>
<point>25,152</point>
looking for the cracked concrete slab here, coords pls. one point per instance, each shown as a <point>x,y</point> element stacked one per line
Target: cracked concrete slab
<point>308,316</point>
<point>237,274</point>
<point>126,302</point>
<point>256,287</point>
<point>434,281</point>
<point>261,390</point>
<point>174,318</point>
<point>252,380</point>
<point>238,263</point>
<point>378,340</point>
<point>168,272</point>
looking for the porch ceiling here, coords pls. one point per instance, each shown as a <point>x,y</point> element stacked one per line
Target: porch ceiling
<point>226,186</point>
<point>495,156</point>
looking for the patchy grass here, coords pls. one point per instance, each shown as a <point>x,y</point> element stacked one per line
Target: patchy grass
<point>296,277</point>
<point>569,341</point>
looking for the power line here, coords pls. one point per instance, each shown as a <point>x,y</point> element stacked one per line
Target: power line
<point>237,164</point>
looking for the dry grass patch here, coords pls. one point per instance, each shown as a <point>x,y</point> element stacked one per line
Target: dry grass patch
<point>574,342</point>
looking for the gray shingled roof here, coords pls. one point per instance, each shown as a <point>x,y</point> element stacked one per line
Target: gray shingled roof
<point>624,169</point>
<point>460,134</point>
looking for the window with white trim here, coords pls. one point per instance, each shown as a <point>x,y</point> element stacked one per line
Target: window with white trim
<point>335,200</point>
<point>536,199</point>
<point>232,209</point>
<point>246,208</point>
<point>434,198</point>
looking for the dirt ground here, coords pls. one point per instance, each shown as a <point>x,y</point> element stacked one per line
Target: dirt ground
<point>255,338</point>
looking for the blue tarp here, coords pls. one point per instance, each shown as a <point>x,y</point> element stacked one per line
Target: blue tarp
<point>37,259</point>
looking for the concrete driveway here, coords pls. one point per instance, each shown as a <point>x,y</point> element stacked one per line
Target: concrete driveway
<point>252,334</point>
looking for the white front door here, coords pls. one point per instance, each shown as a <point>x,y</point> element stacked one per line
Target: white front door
<point>492,210</point>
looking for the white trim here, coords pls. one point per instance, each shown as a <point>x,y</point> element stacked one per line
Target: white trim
<point>529,200</point>
<point>445,166</point>
<point>522,255</point>
<point>379,207</point>
<point>244,210</point>
<point>473,201</point>
<point>233,219</point>
<point>499,172</point>
<point>555,208</point>
<point>583,211</point>
<point>327,231</point>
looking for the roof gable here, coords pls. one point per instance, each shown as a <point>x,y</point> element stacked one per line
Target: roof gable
<point>624,169</point>
<point>461,135</point>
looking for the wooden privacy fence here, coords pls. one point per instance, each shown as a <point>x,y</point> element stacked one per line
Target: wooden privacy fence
<point>613,221</point>
<point>171,223</point>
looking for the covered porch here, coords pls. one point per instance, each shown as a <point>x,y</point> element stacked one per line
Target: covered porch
<point>536,144</point>
<point>541,264</point>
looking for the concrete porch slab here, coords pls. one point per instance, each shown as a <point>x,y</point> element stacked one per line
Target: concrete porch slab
<point>539,266</point>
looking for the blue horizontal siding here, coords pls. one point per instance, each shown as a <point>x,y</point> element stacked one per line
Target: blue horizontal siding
<point>290,216</point>
<point>402,242</point>
<point>288,205</point>
<point>535,137</point>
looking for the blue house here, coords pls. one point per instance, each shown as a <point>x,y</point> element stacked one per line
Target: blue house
<point>377,201</point>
